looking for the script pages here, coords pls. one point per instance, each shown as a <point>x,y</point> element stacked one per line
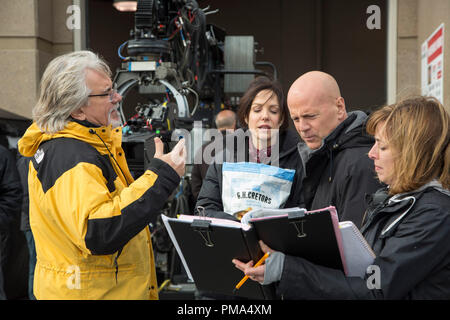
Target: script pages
<point>206,252</point>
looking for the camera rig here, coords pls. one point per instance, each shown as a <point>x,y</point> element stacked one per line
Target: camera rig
<point>181,64</point>
<point>185,70</point>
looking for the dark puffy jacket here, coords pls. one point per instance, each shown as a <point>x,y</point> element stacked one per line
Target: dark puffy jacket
<point>22,168</point>
<point>10,189</point>
<point>210,196</point>
<point>410,235</point>
<point>340,172</point>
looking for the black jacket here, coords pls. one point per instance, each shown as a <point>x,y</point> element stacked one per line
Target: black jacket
<point>22,164</point>
<point>199,173</point>
<point>340,172</point>
<point>210,196</point>
<point>199,169</point>
<point>10,189</point>
<point>410,235</point>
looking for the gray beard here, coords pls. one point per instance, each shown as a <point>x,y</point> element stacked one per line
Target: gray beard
<point>114,122</point>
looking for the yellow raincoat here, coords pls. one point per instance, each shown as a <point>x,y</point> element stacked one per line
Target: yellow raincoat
<point>88,216</point>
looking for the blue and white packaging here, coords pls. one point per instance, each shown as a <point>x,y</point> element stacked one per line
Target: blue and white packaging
<point>254,185</point>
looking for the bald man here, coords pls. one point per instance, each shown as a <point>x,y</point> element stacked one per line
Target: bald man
<point>225,120</point>
<point>337,170</point>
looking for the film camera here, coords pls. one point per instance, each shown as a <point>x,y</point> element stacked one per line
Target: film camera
<point>186,70</point>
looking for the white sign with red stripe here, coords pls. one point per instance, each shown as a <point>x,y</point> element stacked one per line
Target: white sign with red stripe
<point>432,76</point>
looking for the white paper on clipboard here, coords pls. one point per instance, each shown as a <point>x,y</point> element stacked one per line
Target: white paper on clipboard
<point>190,219</point>
<point>165,220</point>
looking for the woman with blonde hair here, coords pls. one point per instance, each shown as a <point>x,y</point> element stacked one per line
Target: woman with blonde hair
<point>407,223</point>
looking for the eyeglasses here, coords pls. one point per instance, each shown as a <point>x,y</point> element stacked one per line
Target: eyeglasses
<point>111,93</point>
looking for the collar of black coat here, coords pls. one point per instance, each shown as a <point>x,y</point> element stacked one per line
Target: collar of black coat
<point>382,195</point>
<point>377,198</point>
<point>350,133</point>
<point>84,123</point>
<point>396,206</point>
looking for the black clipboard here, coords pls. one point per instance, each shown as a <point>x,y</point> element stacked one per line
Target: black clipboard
<point>208,249</point>
<point>312,235</point>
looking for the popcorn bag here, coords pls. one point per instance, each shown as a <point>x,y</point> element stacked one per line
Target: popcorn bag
<point>254,185</point>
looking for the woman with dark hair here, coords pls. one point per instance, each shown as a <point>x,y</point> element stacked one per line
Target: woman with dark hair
<point>407,224</point>
<point>271,89</point>
<point>264,139</point>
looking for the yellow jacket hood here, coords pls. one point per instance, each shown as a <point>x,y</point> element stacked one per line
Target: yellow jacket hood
<point>34,137</point>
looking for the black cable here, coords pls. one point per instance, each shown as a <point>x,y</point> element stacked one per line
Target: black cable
<point>92,131</point>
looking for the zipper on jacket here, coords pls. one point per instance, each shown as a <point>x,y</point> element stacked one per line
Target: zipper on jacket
<point>115,262</point>
<point>92,131</point>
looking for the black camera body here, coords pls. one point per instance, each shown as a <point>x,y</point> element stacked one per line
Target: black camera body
<point>170,61</point>
<point>185,69</point>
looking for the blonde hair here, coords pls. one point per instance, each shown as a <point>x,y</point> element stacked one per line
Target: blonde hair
<point>63,88</point>
<point>417,130</point>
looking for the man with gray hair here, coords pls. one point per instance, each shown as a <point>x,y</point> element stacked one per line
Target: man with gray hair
<point>225,121</point>
<point>88,216</point>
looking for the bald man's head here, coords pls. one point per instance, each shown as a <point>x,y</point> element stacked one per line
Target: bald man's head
<point>316,106</point>
<point>226,119</point>
<point>315,84</point>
